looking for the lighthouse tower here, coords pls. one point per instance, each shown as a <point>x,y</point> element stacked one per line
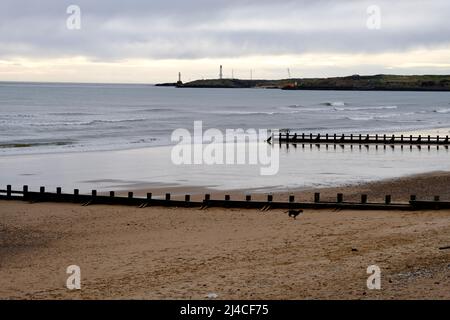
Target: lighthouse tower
<point>179,82</point>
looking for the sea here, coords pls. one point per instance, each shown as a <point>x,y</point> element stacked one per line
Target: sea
<point>109,136</point>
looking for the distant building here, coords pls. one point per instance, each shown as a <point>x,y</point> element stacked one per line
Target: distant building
<point>221,73</point>
<point>179,82</point>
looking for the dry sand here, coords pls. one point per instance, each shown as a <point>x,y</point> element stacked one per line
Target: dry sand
<point>179,253</point>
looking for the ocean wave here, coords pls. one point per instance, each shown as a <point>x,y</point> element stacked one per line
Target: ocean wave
<point>367,118</point>
<point>70,114</point>
<point>295,106</point>
<point>365,108</point>
<point>443,110</point>
<point>250,113</point>
<point>156,110</point>
<point>373,117</point>
<point>85,123</point>
<point>335,104</point>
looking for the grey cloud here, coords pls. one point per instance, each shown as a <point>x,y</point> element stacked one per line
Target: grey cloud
<point>206,28</point>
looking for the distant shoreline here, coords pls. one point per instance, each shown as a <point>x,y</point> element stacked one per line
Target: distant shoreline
<point>423,83</point>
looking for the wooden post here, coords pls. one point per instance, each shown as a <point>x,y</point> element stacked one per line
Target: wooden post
<point>94,193</point>
<point>376,137</point>
<point>8,191</point>
<point>437,198</point>
<point>364,198</point>
<point>76,192</point>
<point>149,196</point>
<point>187,198</point>
<point>269,198</point>
<point>340,198</point>
<point>58,191</point>
<point>316,197</point>
<point>207,197</point>
<point>167,196</point>
<point>412,198</point>
<point>291,198</point>
<point>112,194</point>
<point>227,197</point>
<point>248,198</point>
<point>42,189</point>
<point>25,191</point>
<point>388,199</point>
<point>130,195</point>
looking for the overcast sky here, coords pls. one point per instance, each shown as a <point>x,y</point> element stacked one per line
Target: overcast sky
<point>150,41</point>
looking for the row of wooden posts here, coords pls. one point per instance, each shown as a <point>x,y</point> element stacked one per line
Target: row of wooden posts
<point>362,139</point>
<point>94,198</point>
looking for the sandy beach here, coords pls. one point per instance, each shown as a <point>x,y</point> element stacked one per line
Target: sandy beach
<point>180,253</point>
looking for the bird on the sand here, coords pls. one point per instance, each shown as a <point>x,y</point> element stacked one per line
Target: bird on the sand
<point>294,213</point>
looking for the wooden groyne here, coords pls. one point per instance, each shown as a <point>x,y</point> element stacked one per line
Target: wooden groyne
<point>130,200</point>
<point>287,137</point>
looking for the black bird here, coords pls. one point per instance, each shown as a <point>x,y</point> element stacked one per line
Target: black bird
<point>294,213</point>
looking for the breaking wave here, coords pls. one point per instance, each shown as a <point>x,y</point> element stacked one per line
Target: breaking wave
<point>443,110</point>
<point>334,104</point>
<point>365,108</point>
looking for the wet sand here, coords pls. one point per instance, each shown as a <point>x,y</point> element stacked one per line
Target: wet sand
<point>424,186</point>
<point>179,253</point>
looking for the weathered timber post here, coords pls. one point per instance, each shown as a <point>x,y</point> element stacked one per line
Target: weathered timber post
<point>388,199</point>
<point>25,192</point>
<point>364,198</point>
<point>316,197</point>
